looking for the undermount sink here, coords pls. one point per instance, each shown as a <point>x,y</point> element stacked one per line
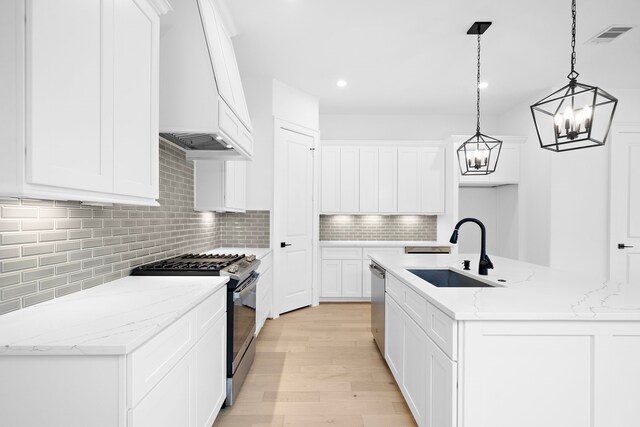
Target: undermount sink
<point>448,279</point>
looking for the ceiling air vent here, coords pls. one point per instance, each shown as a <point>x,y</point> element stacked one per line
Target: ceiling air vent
<point>610,34</point>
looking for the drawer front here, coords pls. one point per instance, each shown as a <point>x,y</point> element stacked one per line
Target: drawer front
<point>341,253</point>
<point>395,288</point>
<point>416,307</point>
<point>210,310</point>
<point>385,251</point>
<point>147,365</point>
<point>265,263</point>
<point>227,121</point>
<point>443,330</point>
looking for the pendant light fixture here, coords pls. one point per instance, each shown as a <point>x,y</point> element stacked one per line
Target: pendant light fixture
<point>576,116</point>
<point>479,154</point>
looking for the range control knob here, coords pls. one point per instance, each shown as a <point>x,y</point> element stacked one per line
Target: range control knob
<point>250,258</point>
<point>233,268</point>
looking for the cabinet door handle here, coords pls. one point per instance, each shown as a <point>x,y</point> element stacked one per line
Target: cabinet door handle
<point>623,246</point>
<point>284,245</point>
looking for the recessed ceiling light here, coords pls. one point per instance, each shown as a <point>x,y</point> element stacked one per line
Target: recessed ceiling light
<point>483,85</point>
<point>229,146</point>
<point>218,138</point>
<point>341,83</point>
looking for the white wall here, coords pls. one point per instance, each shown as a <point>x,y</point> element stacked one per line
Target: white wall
<point>565,196</point>
<point>401,127</point>
<point>497,208</point>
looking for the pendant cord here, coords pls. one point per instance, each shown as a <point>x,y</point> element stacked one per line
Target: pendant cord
<point>573,76</point>
<point>478,91</point>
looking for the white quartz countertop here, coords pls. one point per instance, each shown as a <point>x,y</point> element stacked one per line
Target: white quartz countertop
<point>258,252</point>
<point>531,292</point>
<point>114,318</point>
<point>380,243</point>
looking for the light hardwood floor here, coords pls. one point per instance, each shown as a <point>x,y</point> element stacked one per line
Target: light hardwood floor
<point>319,366</point>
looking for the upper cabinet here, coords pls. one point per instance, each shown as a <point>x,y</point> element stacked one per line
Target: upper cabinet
<point>220,186</point>
<point>389,178</point>
<point>82,111</point>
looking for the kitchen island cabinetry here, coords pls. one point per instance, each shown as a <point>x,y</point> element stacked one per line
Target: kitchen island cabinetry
<point>538,347</point>
<point>137,352</point>
<point>82,84</point>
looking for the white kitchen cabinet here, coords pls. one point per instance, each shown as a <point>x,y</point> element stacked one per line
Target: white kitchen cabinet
<point>351,278</point>
<point>265,291</point>
<point>330,179</point>
<point>338,276</point>
<point>170,370</point>
<point>331,278</point>
<point>387,179</point>
<point>341,278</point>
<point>369,179</point>
<point>172,401</point>
<point>421,179</point>
<point>211,363</point>
<point>441,390</point>
<point>397,178</point>
<point>426,375</point>
<point>349,179</point>
<point>414,373</point>
<point>220,186</point>
<point>83,80</point>
<point>393,338</point>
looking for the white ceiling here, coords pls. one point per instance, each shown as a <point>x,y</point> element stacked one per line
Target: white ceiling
<point>414,57</point>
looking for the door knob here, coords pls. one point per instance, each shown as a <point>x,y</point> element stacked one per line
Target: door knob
<point>283,244</point>
<point>623,246</point>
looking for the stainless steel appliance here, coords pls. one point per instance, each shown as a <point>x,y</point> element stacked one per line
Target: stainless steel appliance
<point>241,303</point>
<point>378,275</point>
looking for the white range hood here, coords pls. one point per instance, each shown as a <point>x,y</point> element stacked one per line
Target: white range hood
<point>202,105</point>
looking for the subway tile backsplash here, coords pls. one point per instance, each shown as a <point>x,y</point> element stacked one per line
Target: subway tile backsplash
<point>379,227</point>
<point>245,230</point>
<point>49,249</point>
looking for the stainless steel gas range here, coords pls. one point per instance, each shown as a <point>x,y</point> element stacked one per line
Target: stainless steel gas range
<point>241,303</point>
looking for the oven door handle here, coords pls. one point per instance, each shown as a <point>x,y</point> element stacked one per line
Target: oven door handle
<point>246,287</point>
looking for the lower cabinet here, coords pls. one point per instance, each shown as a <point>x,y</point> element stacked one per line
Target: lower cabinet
<point>341,278</point>
<point>211,363</point>
<point>171,402</point>
<point>425,374</point>
<point>193,391</point>
<point>393,340</point>
<point>265,292</point>
<point>344,272</point>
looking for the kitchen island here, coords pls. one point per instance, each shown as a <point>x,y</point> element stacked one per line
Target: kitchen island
<point>538,347</point>
<point>139,351</point>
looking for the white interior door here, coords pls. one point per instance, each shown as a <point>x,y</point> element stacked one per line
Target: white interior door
<point>625,205</point>
<point>293,217</point>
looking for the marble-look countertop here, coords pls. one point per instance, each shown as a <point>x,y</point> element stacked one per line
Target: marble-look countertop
<point>114,318</point>
<point>380,243</point>
<point>531,292</point>
<point>258,252</point>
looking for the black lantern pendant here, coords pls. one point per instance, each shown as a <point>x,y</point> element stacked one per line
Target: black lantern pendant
<point>479,154</point>
<point>576,116</point>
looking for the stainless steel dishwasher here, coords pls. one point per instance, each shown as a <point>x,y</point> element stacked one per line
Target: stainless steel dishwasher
<point>377,304</point>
